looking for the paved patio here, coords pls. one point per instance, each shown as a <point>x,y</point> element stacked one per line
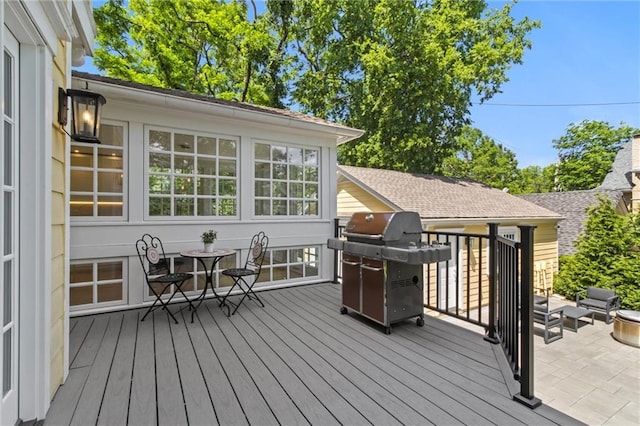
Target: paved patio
<point>587,375</point>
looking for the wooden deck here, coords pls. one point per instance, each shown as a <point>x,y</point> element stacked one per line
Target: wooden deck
<point>296,361</point>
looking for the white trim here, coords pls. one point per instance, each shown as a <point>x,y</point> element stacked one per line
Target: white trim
<point>237,116</point>
<point>35,232</point>
<point>85,25</point>
<point>60,19</point>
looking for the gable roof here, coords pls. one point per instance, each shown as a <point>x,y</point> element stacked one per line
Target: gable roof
<point>439,197</point>
<point>343,133</point>
<point>619,178</point>
<point>573,206</point>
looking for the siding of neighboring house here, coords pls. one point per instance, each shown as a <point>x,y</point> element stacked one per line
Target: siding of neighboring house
<point>353,198</point>
<point>58,229</point>
<point>545,259</point>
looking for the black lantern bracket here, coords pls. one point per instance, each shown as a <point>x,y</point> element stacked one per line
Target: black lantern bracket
<point>85,113</point>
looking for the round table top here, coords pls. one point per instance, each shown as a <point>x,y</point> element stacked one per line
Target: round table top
<point>207,254</point>
<point>629,315</point>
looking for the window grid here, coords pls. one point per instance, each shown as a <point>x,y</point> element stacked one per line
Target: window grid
<point>286,180</point>
<point>290,264</point>
<point>97,283</point>
<point>191,175</point>
<point>97,175</point>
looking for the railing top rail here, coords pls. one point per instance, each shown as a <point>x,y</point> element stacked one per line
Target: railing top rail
<point>459,234</point>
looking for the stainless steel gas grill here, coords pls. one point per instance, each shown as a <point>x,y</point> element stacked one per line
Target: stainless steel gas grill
<point>382,274</point>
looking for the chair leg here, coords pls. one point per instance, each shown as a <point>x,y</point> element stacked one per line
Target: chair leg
<point>191,307</point>
<point>164,305</point>
<point>247,294</point>
<point>223,302</point>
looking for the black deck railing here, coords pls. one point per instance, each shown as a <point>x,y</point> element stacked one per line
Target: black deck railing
<point>487,282</point>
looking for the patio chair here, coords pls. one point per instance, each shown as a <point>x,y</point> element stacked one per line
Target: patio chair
<point>244,278</point>
<point>157,274</point>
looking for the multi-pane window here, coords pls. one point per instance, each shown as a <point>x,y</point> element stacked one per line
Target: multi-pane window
<point>98,174</point>
<point>290,264</point>
<point>286,180</point>
<point>96,283</point>
<point>191,174</point>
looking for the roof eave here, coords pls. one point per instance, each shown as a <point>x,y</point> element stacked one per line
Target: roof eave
<point>118,92</point>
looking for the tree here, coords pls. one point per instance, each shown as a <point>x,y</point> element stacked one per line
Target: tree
<point>586,152</point>
<point>607,255</point>
<point>480,158</point>
<point>201,46</point>
<point>405,71</point>
<point>536,179</point>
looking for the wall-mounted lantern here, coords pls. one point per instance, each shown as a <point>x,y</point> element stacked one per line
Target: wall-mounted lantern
<point>85,113</point>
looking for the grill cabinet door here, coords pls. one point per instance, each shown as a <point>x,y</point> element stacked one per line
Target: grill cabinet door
<point>351,281</point>
<point>373,291</point>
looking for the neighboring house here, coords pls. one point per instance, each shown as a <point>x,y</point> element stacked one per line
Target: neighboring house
<point>621,185</point>
<point>624,172</point>
<point>573,205</point>
<point>40,39</point>
<point>453,205</point>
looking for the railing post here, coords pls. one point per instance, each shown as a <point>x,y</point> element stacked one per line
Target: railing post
<point>336,234</point>
<point>493,269</point>
<point>525,396</point>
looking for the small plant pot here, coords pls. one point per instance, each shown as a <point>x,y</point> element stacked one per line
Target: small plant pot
<point>208,247</point>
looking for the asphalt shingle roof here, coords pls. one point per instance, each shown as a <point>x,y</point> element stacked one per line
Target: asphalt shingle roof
<point>573,206</point>
<point>619,178</point>
<point>438,197</point>
<point>209,99</point>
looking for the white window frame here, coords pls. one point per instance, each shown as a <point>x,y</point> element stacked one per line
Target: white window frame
<point>147,195</point>
<point>288,199</point>
<point>95,283</point>
<point>95,169</point>
<point>268,265</point>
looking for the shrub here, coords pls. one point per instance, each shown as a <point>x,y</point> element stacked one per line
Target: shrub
<point>607,256</point>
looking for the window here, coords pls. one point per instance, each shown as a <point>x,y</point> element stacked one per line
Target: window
<point>191,174</point>
<point>286,180</point>
<point>97,175</point>
<point>96,283</point>
<point>290,264</point>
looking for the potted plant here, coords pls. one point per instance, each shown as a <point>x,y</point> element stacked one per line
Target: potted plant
<point>208,237</point>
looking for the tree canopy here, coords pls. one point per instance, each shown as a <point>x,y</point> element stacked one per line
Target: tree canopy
<point>201,46</point>
<point>586,153</point>
<point>405,71</point>
<point>480,158</point>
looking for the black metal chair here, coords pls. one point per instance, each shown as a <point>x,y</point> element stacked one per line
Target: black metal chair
<point>157,274</point>
<point>245,278</point>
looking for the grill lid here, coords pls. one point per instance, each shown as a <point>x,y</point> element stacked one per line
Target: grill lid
<point>383,226</point>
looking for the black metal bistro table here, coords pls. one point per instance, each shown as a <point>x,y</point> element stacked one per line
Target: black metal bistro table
<point>215,256</point>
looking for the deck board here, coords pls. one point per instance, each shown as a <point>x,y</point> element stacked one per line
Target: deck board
<point>142,400</point>
<point>92,395</point>
<point>115,404</point>
<point>296,361</point>
<point>171,406</point>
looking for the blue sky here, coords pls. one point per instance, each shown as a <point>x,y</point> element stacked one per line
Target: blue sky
<point>587,52</point>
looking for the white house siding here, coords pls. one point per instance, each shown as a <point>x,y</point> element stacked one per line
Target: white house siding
<point>105,239</point>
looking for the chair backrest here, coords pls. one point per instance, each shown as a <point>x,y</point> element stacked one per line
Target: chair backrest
<point>257,252</point>
<point>599,293</point>
<point>151,255</point>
